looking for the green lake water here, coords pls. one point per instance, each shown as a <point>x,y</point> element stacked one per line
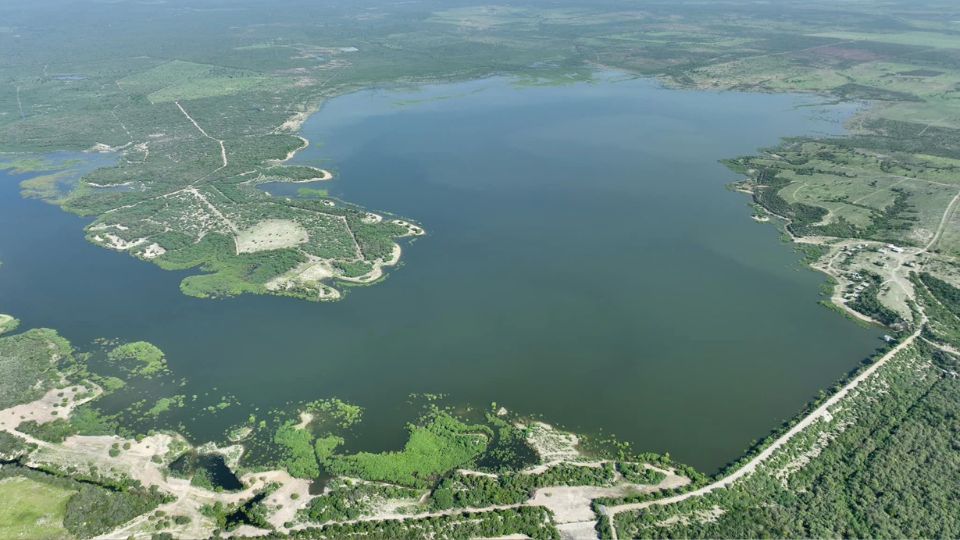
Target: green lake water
<point>583,262</point>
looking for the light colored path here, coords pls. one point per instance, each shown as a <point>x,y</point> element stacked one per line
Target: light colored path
<point>223,149</point>
<point>764,455</point>
<point>943,223</point>
<point>20,104</point>
<point>216,211</point>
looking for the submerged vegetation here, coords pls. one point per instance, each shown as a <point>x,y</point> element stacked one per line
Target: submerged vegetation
<point>437,444</point>
<point>148,357</point>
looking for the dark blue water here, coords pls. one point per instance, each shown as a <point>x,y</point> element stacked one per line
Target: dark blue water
<point>583,261</point>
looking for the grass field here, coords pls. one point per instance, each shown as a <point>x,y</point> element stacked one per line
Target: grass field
<point>921,39</point>
<point>32,510</point>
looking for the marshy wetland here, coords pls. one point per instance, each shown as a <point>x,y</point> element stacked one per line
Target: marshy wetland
<point>583,262</point>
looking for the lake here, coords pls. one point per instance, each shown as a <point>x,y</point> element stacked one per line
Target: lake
<point>584,262</point>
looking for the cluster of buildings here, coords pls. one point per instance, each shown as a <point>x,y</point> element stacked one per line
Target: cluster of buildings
<point>858,284</point>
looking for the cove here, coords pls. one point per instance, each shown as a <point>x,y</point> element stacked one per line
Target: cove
<point>583,262</point>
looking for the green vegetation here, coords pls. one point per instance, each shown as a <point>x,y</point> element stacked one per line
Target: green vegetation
<point>946,294</point>
<point>312,192</point>
<point>53,503</point>
<point>296,445</point>
<point>828,188</point>
<point>55,431</point>
<point>534,522</point>
<point>478,491</point>
<point>150,358</point>
<point>195,108</point>
<point>939,300</point>
<point>349,500</point>
<point>164,404</point>
<point>32,509</point>
<point>869,304</point>
<point>882,466</point>
<point>12,447</point>
<point>334,413</point>
<point>8,323</point>
<point>95,510</point>
<point>509,450</point>
<point>23,165</point>
<point>438,444</point>
<point>83,421</point>
<point>30,365</point>
<point>639,474</point>
<point>324,447</point>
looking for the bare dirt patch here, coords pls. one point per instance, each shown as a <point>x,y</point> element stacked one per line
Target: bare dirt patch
<point>271,234</point>
<point>57,403</point>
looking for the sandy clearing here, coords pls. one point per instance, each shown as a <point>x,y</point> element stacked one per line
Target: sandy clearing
<point>552,445</point>
<point>216,211</point>
<point>316,271</point>
<point>572,504</point>
<point>577,531</point>
<point>295,122</point>
<point>244,531</point>
<point>101,148</point>
<point>468,472</point>
<point>46,409</point>
<point>305,419</point>
<point>311,272</point>
<point>271,234</point>
<point>105,226</point>
<point>152,251</point>
<point>284,506</point>
<point>112,241</point>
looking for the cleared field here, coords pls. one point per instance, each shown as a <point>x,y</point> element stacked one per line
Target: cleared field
<point>271,234</point>
<point>177,80</point>
<point>163,75</point>
<point>214,86</point>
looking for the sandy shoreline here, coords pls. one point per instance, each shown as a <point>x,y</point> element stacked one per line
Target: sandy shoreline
<point>293,125</point>
<point>324,176</point>
<point>304,143</point>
